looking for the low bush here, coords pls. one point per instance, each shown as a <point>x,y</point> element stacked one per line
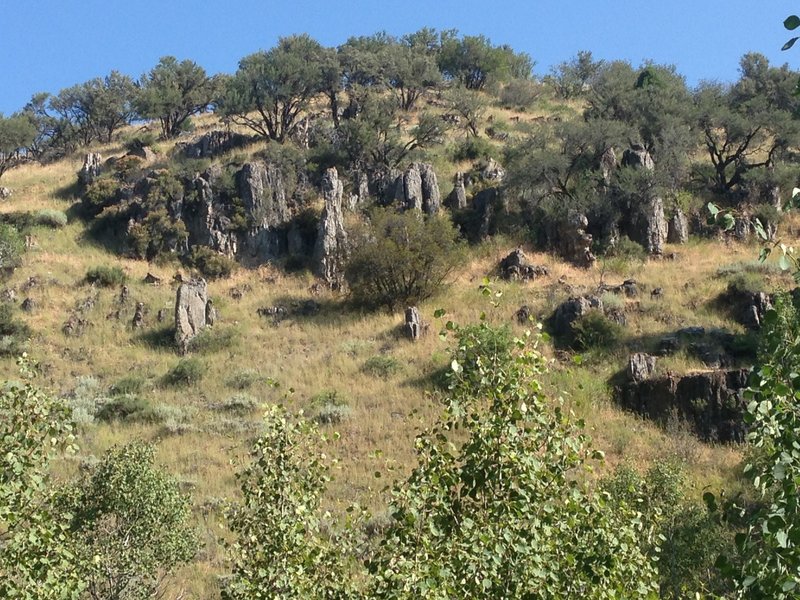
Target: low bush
<point>594,330</point>
<point>54,219</point>
<point>129,407</point>
<point>746,283</point>
<point>211,264</point>
<point>105,276</point>
<point>12,246</point>
<point>188,371</point>
<point>381,366</point>
<point>213,340</point>
<point>473,148</point>
<point>132,384</point>
<point>244,380</point>
<point>13,332</point>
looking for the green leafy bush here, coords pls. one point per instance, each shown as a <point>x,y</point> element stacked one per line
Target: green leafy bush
<point>128,407</point>
<point>54,219</point>
<point>13,332</point>
<point>213,340</point>
<point>401,259</point>
<point>12,246</point>
<point>595,330</point>
<point>101,193</point>
<point>188,371</point>
<point>382,366</point>
<point>105,276</point>
<point>158,236</point>
<point>473,148</point>
<point>211,264</point>
<point>132,384</point>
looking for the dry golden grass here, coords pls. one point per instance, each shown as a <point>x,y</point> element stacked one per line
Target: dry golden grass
<point>326,353</point>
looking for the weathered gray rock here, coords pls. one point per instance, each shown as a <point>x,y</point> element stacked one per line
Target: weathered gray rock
<point>517,267</point>
<point>413,323</point>
<point>640,367</point>
<point>266,201</point>
<point>211,313</point>
<point>457,200</point>
<point>28,305</point>
<point>524,314</point>
<point>5,193</point>
<point>608,163</point>
<point>145,153</point>
<point>138,316</point>
<point>331,246</point>
<point>712,402</point>
<point>431,196</point>
<point>214,143</point>
<point>678,229</point>
<point>637,156</point>
<point>206,222</point>
<point>742,228</point>
<point>412,188</point>
<point>91,169</point>
<point>360,197</point>
<point>627,288</point>
<point>485,204</point>
<point>572,241</point>
<point>493,171</point>
<point>649,226</point>
<point>190,311</point>
<point>571,310</point>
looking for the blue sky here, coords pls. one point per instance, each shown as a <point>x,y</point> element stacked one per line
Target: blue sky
<point>47,45</point>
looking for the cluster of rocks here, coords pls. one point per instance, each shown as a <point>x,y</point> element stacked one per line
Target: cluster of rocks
<point>517,267</point>
<point>296,308</point>
<point>712,402</point>
<point>213,143</point>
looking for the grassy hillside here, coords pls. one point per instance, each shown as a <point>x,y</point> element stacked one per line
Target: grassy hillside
<point>352,370</point>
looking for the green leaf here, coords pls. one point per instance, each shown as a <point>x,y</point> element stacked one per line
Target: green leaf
<point>712,208</point>
<point>439,313</point>
<point>789,44</point>
<point>784,263</point>
<point>728,222</point>
<point>792,22</point>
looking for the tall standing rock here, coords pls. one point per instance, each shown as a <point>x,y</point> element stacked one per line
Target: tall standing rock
<point>331,245</point>
<point>648,223</point>
<point>205,222</point>
<point>572,240</point>
<point>637,156</point>
<point>413,323</point>
<point>412,188</point>
<point>678,228</point>
<point>190,311</point>
<point>431,196</point>
<point>608,162</point>
<point>92,165</point>
<point>262,189</point>
<point>457,200</point>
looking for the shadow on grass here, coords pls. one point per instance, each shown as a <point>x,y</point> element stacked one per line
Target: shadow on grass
<point>161,338</point>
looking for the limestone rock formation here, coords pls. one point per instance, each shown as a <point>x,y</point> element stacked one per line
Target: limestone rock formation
<point>572,241</point>
<point>266,201</point>
<point>190,311</point>
<point>412,188</point>
<point>205,220</point>
<point>649,225</point>
<point>678,230</point>
<point>571,310</point>
<point>214,143</point>
<point>5,193</point>
<point>431,196</point>
<point>331,246</point>
<point>457,200</point>
<point>608,162</point>
<point>637,156</point>
<point>493,171</point>
<point>641,367</point>
<point>419,189</point>
<point>92,166</point>
<point>413,323</point>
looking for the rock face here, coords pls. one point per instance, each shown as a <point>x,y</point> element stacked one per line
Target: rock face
<point>678,229</point>
<point>711,401</point>
<point>214,143</point>
<point>571,310</point>
<point>263,192</point>
<point>637,156</point>
<point>206,221</point>
<point>517,267</point>
<point>361,189</point>
<point>572,241</point>
<point>485,204</point>
<point>190,311</point>
<point>608,163</point>
<point>413,323</point>
<point>457,200</point>
<point>627,288</point>
<point>420,189</point>
<point>331,245</point>
<point>650,226</point>
<point>92,165</point>
<point>641,367</point>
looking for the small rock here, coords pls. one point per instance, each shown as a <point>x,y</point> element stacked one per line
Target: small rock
<point>152,279</point>
<point>524,314</point>
<point>641,367</point>
<point>138,316</point>
<point>28,305</point>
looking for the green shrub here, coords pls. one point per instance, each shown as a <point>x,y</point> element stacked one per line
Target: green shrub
<point>213,340</point>
<point>158,236</point>
<point>627,249</point>
<point>132,384</point>
<point>595,330</point>
<point>211,264</point>
<point>238,404</point>
<point>188,371</point>
<point>13,332</point>
<point>331,414</point>
<point>106,276</point>
<point>130,407</point>
<point>473,148</point>
<point>12,246</point>
<point>762,268</point>
<point>100,194</point>
<point>519,94</point>
<point>245,379</point>
<point>746,283</point>
<point>401,259</point>
<point>381,366</point>
<point>55,219</point>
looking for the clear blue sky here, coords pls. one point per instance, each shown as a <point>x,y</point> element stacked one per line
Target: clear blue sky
<point>47,45</point>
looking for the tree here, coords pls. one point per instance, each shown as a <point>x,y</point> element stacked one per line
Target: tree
<point>174,91</point>
<point>401,259</point>
<point>130,525</point>
<point>409,70</point>
<point>501,509</point>
<point>469,106</point>
<point>574,78</point>
<point>471,60</point>
<point>17,133</point>
<point>35,559</point>
<point>280,551</point>
<point>277,85</point>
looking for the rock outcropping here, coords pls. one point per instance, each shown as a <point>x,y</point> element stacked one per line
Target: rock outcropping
<point>331,246</point>
<point>190,312</point>
<point>92,166</point>
<point>572,241</point>
<point>214,143</point>
<point>678,230</point>
<point>517,267</point>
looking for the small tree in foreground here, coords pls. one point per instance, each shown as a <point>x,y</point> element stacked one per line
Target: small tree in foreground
<point>130,525</point>
<point>401,259</point>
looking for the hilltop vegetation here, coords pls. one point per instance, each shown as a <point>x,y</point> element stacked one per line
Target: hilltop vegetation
<point>321,191</point>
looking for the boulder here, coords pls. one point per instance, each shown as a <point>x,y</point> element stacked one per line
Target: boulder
<point>331,246</point>
<point>361,188</point>
<point>419,189</point>
<point>211,313</point>
<point>485,203</point>
<point>92,166</point>
<point>572,241</point>
<point>145,153</point>
<point>627,288</point>
<point>678,228</point>
<point>516,266</point>
<point>412,188</point>
<point>138,316</point>
<point>457,200</point>
<point>205,219</point>
<point>493,171</point>
<point>5,193</point>
<point>637,156</point>
<point>640,367</point>
<point>190,311</point>
<point>413,326</point>
<point>266,201</point>
<point>28,305</point>
<point>649,226</point>
<point>571,310</point>
<point>524,314</point>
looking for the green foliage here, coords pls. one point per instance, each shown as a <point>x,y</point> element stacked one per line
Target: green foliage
<point>519,94</point>
<point>129,408</point>
<point>106,276</point>
<point>17,134</point>
<point>595,331</point>
<point>13,332</point>
<point>101,193</point>
<point>473,60</point>
<point>573,78</point>
<point>502,510</point>
<point>473,148</point>
<point>130,525</point>
<point>158,236</point>
<point>174,91</point>
<point>55,219</point>
<point>401,259</point>
<point>381,365</point>
<point>745,284</point>
<point>35,560</point>
<point>280,551</point>
<point>188,371</point>
<point>214,339</point>
<point>130,384</point>
<point>12,246</point>
<point>212,264</point>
